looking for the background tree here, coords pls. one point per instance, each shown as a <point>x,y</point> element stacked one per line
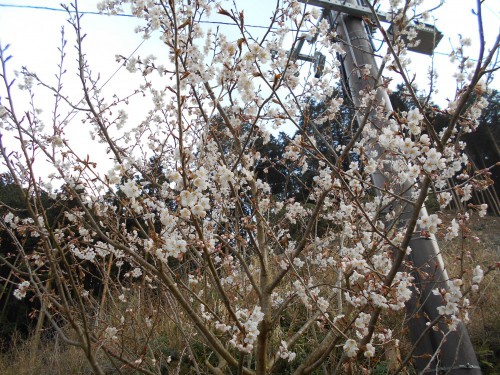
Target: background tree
<point>481,144</point>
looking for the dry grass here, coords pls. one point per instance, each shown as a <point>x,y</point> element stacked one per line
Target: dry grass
<point>459,255</point>
<point>53,357</point>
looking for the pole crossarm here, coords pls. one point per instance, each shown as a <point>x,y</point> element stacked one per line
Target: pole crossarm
<point>347,8</point>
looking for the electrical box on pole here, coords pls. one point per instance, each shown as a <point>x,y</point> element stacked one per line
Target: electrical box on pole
<point>428,37</point>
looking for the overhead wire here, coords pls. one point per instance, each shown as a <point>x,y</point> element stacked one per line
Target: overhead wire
<point>492,11</point>
<point>37,7</point>
<point>73,112</point>
<point>45,8</point>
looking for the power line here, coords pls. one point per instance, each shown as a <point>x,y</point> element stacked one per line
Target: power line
<point>491,11</point>
<point>36,7</point>
<point>121,64</point>
<point>73,113</point>
<point>43,8</point>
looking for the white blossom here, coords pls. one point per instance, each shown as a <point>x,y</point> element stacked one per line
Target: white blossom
<point>130,189</point>
<point>477,275</point>
<point>21,290</point>
<point>351,348</point>
<point>110,333</point>
<point>369,351</point>
<point>482,210</point>
<point>429,223</point>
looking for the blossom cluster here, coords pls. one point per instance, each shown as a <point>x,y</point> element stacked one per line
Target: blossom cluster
<point>244,341</point>
<point>21,290</point>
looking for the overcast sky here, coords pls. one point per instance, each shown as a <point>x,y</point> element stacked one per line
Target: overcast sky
<point>34,36</point>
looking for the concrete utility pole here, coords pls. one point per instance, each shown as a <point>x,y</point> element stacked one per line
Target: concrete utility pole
<point>437,352</point>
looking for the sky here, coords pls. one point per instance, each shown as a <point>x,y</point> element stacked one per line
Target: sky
<point>34,36</point>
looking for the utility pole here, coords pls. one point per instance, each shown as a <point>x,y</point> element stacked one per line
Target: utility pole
<point>437,352</point>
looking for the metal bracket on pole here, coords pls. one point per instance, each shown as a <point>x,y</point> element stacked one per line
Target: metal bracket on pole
<point>319,60</point>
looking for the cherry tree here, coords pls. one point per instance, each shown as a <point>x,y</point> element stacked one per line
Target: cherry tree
<point>183,238</point>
